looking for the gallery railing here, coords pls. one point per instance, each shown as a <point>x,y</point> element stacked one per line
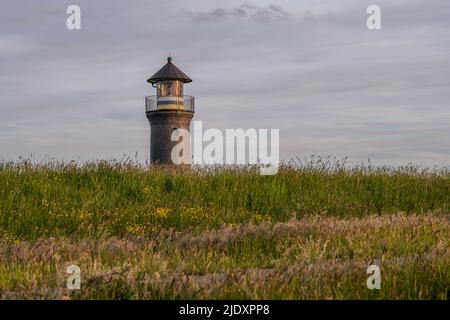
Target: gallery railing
<point>181,103</point>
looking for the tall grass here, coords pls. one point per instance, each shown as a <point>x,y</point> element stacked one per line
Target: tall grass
<point>148,232</point>
<point>115,198</point>
<point>311,258</point>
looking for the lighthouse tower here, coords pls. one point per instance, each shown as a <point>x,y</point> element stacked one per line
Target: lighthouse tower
<point>167,111</point>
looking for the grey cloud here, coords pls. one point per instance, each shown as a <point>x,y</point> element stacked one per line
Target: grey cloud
<point>247,10</point>
<point>331,86</point>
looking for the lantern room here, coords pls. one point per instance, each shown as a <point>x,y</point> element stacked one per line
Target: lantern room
<point>169,81</point>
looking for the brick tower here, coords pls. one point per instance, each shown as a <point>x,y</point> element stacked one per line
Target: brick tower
<point>167,111</point>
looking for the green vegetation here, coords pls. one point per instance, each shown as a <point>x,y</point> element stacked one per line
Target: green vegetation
<point>141,232</point>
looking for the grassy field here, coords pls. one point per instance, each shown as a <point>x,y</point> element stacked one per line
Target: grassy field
<point>308,232</point>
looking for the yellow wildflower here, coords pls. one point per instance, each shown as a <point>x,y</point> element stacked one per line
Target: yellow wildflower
<point>136,229</point>
<point>259,218</point>
<point>45,203</point>
<point>147,190</point>
<point>161,213</point>
<point>197,214</point>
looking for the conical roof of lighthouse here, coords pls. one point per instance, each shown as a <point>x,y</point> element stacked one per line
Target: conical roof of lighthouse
<point>169,72</point>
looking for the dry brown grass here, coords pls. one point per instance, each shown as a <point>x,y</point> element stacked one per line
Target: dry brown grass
<point>315,257</point>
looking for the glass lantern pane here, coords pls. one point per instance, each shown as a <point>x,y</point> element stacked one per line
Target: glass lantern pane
<point>170,88</point>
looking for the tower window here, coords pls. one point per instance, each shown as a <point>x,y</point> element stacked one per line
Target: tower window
<point>170,88</point>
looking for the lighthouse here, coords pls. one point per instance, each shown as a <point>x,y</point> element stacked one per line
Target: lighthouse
<point>168,111</point>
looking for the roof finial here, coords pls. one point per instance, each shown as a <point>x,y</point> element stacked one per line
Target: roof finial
<point>169,58</point>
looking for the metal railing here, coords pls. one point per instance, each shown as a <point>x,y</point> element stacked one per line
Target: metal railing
<point>185,103</point>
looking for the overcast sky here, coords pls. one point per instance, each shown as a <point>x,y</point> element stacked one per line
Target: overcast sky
<point>310,68</point>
